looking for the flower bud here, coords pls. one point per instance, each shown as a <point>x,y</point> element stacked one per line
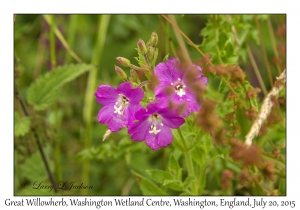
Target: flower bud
<point>120,73</point>
<point>154,38</point>
<point>123,61</point>
<point>151,53</point>
<point>142,47</point>
<point>134,75</point>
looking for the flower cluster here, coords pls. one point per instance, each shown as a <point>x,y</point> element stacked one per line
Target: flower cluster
<point>121,106</point>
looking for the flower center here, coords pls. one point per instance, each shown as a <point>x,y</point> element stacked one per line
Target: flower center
<point>179,87</point>
<point>121,104</point>
<point>156,123</point>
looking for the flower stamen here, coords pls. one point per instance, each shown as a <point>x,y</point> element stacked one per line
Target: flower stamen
<point>155,119</point>
<point>154,130</point>
<point>123,102</point>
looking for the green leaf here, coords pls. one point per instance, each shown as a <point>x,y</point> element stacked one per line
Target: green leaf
<point>159,175</point>
<point>174,168</point>
<point>141,59</point>
<point>202,180</point>
<point>173,184</point>
<point>146,186</point>
<point>177,144</point>
<point>166,58</point>
<point>214,158</point>
<point>201,151</point>
<point>241,92</point>
<point>207,143</point>
<point>188,181</point>
<point>154,58</point>
<point>43,92</point>
<point>199,155</point>
<point>263,17</point>
<point>21,125</point>
<point>196,140</point>
<point>244,123</point>
<point>34,169</point>
<point>186,193</point>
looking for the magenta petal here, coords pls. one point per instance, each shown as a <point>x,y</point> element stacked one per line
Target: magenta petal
<point>160,90</point>
<point>106,94</point>
<point>167,72</point>
<point>130,112</point>
<point>153,107</point>
<point>164,137</point>
<point>139,130</point>
<point>162,73</point>
<point>124,87</point>
<point>174,66</point>
<point>114,122</point>
<point>141,114</point>
<point>163,101</point>
<point>171,120</point>
<point>193,105</point>
<point>135,95</point>
<point>151,141</point>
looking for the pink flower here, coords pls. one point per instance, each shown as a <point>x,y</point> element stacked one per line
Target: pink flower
<point>119,105</point>
<point>171,75</point>
<point>154,126</point>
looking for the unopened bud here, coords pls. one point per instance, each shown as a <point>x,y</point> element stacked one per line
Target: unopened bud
<point>142,47</point>
<point>151,53</point>
<point>154,38</point>
<point>120,73</point>
<point>134,75</point>
<point>123,61</point>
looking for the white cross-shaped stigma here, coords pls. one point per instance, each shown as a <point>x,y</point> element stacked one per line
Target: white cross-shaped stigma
<point>154,130</point>
<point>118,109</point>
<point>180,93</point>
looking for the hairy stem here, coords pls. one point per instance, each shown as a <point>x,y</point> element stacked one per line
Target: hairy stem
<point>39,146</point>
<point>189,160</point>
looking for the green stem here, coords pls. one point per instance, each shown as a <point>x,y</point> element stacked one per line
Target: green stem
<point>188,158</point>
<point>264,50</point>
<point>58,170</point>
<point>256,70</point>
<point>273,41</point>
<point>275,161</point>
<point>89,95</point>
<point>62,39</point>
<point>71,34</point>
<point>180,41</point>
<point>52,43</point>
<point>42,153</point>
